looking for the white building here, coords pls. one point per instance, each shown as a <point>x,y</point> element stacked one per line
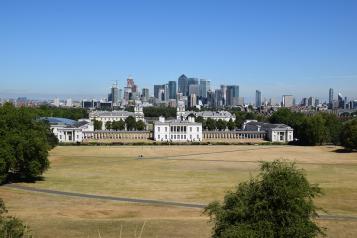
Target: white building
<point>214,115</point>
<point>69,131</point>
<point>275,132</point>
<point>177,130</point>
<point>111,116</point>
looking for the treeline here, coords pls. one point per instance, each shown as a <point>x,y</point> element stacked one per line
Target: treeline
<point>70,113</point>
<point>129,124</point>
<point>159,111</point>
<point>24,144</point>
<point>318,129</point>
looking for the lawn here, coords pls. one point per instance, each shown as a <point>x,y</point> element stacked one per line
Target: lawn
<point>196,174</point>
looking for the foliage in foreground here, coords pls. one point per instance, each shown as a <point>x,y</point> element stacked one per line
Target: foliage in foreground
<point>11,227</point>
<point>277,203</point>
<point>24,143</point>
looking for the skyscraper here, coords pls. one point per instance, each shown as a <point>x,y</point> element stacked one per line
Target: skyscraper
<point>193,89</point>
<point>231,94</point>
<point>157,89</point>
<point>258,98</point>
<point>288,101</point>
<point>172,89</point>
<point>205,85</point>
<point>114,92</point>
<point>330,96</point>
<point>145,94</point>
<point>340,101</point>
<point>183,85</point>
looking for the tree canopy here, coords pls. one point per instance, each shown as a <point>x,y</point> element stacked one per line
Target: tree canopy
<point>277,203</point>
<point>24,143</point>
<point>349,135</point>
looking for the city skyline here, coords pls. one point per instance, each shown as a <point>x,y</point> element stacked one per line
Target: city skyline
<point>68,49</point>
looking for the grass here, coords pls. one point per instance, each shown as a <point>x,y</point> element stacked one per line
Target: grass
<point>197,174</point>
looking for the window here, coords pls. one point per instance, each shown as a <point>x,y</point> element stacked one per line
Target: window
<point>190,129</point>
<point>190,137</point>
<point>184,136</point>
<point>60,137</point>
<point>198,137</point>
<point>175,137</point>
<point>158,129</point>
<point>158,136</point>
<point>165,137</point>
<point>172,137</point>
<point>198,129</point>
<point>165,129</point>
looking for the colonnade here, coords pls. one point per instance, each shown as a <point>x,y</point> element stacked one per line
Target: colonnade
<point>238,135</point>
<point>117,135</point>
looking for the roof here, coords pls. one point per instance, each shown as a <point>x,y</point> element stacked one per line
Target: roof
<point>265,125</point>
<point>111,114</point>
<point>64,122</point>
<point>177,122</point>
<point>223,114</point>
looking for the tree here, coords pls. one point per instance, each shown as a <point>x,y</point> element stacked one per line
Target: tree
<point>211,124</point>
<point>24,144</point>
<point>97,125</point>
<point>221,125</point>
<point>333,126</point>
<point>140,125</point>
<point>349,135</point>
<point>130,123</point>
<point>118,125</point>
<point>11,226</point>
<point>108,125</point>
<point>313,131</point>
<point>277,203</point>
<point>231,125</point>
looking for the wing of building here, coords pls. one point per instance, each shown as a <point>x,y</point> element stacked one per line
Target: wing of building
<point>275,132</point>
<point>177,130</point>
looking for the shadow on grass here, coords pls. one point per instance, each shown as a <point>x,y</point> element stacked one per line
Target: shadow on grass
<point>344,151</point>
<point>14,178</point>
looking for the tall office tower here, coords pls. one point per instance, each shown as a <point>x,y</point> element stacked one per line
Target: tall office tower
<point>193,100</point>
<point>145,94</point>
<point>317,102</point>
<point>183,85</point>
<point>218,98</point>
<point>172,89</point>
<point>127,93</point>
<point>69,102</point>
<point>120,94</point>
<point>340,101</point>
<point>304,102</point>
<point>345,103</point>
<point>288,101</point>
<point>210,98</point>
<point>224,95</point>
<point>114,94</point>
<point>193,89</point>
<point>330,96</point>
<point>311,102</point>
<point>232,94</point>
<point>166,91</point>
<point>205,85</point>
<point>130,84</point>
<point>156,90</point>
<point>258,98</point>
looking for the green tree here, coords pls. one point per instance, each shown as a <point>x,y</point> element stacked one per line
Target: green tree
<point>11,226</point>
<point>210,124</point>
<point>349,135</point>
<point>333,126</point>
<point>277,203</point>
<point>97,125</point>
<point>24,143</point>
<point>130,123</point>
<point>221,125</point>
<point>140,125</point>
<point>231,125</point>
<point>313,130</point>
<point>108,125</point>
<point>118,125</point>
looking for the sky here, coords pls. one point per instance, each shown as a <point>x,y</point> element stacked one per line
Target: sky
<point>73,48</point>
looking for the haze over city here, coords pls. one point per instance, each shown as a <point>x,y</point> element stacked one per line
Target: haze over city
<point>76,49</point>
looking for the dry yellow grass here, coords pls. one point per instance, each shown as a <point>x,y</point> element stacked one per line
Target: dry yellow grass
<point>179,173</point>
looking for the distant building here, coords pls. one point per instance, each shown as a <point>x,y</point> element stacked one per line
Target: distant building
<point>193,89</point>
<point>172,89</point>
<point>258,98</point>
<point>311,102</point>
<point>56,102</point>
<point>214,115</point>
<point>205,86</point>
<point>288,101</point>
<point>232,93</point>
<point>145,94</point>
<point>275,132</point>
<point>341,102</point>
<point>183,85</point>
<point>68,131</point>
<point>69,102</point>
<point>111,116</point>
<point>193,100</point>
<point>330,98</point>
<point>114,92</point>
<point>177,130</point>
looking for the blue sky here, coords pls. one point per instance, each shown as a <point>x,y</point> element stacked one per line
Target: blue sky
<point>79,48</point>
